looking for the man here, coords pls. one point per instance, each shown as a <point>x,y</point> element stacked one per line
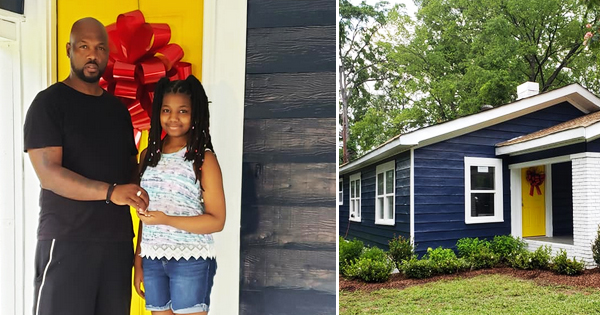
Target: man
<point>80,142</point>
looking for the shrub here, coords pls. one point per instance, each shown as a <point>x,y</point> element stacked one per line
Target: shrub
<point>350,251</point>
<point>563,265</point>
<point>374,253</point>
<point>469,246</point>
<point>418,269</point>
<point>369,270</point>
<point>506,246</point>
<point>596,247</point>
<point>483,258</point>
<point>400,249</point>
<point>539,259</point>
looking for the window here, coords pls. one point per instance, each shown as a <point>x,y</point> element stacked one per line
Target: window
<point>341,191</point>
<point>385,180</point>
<point>355,197</point>
<point>483,190</point>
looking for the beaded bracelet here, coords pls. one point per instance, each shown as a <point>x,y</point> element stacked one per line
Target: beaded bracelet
<point>109,192</point>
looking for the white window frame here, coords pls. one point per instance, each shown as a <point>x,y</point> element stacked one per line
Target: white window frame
<point>498,192</point>
<point>355,203</point>
<point>340,190</point>
<point>383,168</point>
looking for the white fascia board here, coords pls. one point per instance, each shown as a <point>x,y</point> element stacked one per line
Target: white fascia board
<point>377,155</point>
<point>550,141</point>
<point>592,132</point>
<point>579,97</point>
<point>575,94</point>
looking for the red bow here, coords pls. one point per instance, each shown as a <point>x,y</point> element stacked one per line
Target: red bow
<point>535,179</point>
<point>140,54</point>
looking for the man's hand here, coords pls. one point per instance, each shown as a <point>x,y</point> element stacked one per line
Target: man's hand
<point>130,194</point>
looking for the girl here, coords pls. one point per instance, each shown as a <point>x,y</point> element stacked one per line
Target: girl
<point>176,257</point>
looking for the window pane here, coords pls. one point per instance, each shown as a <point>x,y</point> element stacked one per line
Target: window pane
<point>380,184</point>
<point>482,177</point>
<point>390,208</point>
<point>358,188</point>
<point>355,208</point>
<point>389,182</point>
<point>340,185</point>
<point>358,209</point>
<point>340,196</point>
<point>352,194</point>
<point>482,205</point>
<point>380,207</point>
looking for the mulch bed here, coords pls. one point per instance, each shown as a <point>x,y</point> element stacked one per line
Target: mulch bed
<point>590,278</point>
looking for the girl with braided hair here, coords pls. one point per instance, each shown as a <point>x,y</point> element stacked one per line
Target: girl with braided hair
<point>175,255</point>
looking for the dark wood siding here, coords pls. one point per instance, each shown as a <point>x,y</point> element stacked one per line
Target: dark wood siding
<point>289,187</point>
<point>366,230</point>
<point>439,178</point>
<point>562,199</point>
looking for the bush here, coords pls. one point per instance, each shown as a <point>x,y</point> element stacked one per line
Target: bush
<point>418,269</point>
<point>374,253</point>
<point>506,246</point>
<point>596,248</point>
<point>369,270</point>
<point>469,246</point>
<point>539,259</point>
<point>350,251</point>
<point>401,249</point>
<point>563,265</point>
<point>445,261</point>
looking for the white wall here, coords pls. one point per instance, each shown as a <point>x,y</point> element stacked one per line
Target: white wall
<point>223,75</point>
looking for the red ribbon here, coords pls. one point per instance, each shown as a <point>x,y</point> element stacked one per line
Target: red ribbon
<point>535,179</point>
<point>140,54</point>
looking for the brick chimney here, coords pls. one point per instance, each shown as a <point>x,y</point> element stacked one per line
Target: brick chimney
<point>527,89</point>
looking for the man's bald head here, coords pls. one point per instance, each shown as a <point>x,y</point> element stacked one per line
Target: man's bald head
<point>88,26</point>
<point>88,50</point>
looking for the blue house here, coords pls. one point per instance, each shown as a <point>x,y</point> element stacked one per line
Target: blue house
<point>530,169</point>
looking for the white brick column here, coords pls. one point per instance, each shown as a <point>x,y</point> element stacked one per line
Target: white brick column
<point>586,204</point>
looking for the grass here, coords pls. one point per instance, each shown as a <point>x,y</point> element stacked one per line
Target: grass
<point>485,294</point>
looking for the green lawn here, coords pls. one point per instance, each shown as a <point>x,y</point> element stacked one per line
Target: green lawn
<point>486,294</point>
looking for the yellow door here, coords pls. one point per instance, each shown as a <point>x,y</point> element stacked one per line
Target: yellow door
<point>533,201</point>
<point>185,20</point>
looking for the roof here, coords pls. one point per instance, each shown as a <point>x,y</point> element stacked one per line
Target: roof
<point>575,94</point>
<point>584,128</point>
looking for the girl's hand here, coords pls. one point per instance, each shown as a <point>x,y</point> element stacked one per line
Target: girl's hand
<point>138,278</point>
<point>153,217</point>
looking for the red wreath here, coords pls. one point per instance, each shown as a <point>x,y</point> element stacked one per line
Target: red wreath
<point>535,179</point>
<point>140,54</point>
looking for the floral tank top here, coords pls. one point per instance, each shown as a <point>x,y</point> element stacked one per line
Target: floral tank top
<point>173,189</point>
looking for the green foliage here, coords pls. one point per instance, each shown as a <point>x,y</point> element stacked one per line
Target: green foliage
<point>596,248</point>
<point>563,265</point>
<point>506,246</point>
<point>477,253</point>
<point>445,261</point>
<point>418,269</point>
<point>539,259</point>
<point>400,249</point>
<point>373,265</point>
<point>350,251</point>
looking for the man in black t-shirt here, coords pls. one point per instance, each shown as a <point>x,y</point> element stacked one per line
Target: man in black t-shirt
<point>80,142</point>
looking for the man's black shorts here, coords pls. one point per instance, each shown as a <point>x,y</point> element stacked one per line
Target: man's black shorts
<point>82,277</point>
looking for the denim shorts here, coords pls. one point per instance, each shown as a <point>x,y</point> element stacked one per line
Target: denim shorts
<point>180,285</point>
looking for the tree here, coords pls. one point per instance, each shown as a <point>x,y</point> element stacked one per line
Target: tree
<point>359,56</point>
<point>469,53</point>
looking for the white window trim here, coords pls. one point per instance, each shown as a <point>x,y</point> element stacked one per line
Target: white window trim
<point>356,218</point>
<point>382,168</point>
<point>498,192</point>
<point>340,191</point>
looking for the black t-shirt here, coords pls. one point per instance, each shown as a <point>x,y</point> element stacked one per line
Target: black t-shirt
<point>96,135</point>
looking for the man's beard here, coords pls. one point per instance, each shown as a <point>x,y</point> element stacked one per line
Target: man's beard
<point>79,73</point>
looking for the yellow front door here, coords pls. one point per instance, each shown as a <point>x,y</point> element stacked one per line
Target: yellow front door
<point>185,20</point>
<point>533,201</point>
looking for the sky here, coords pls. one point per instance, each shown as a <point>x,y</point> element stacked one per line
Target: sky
<point>411,8</point>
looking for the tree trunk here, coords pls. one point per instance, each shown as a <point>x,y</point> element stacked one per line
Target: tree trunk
<point>345,132</point>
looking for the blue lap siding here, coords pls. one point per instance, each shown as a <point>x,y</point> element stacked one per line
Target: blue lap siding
<point>367,231</point>
<point>439,202</point>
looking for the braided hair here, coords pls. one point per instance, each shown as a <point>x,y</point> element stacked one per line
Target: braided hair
<point>198,136</point>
